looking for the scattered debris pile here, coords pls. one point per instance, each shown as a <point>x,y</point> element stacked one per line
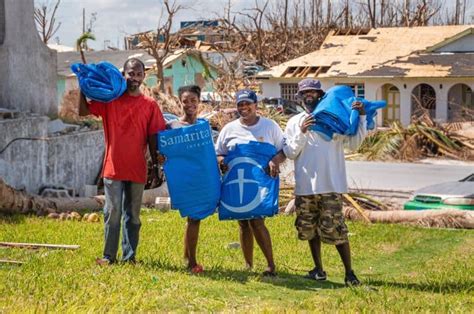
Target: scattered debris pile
<point>423,138</point>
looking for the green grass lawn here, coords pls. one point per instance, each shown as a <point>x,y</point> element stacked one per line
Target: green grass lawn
<point>403,269</point>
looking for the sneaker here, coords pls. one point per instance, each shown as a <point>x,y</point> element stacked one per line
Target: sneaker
<point>351,279</point>
<point>197,269</point>
<point>316,274</point>
<point>269,273</point>
<point>103,261</point>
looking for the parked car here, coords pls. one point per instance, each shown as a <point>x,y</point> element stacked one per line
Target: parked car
<point>457,195</point>
<point>251,70</point>
<point>283,105</point>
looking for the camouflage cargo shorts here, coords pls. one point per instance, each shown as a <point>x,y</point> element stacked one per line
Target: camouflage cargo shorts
<point>321,214</point>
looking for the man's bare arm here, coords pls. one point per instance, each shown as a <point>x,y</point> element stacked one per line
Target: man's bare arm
<point>83,109</point>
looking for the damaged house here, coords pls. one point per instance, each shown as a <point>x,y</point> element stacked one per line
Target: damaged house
<point>431,67</point>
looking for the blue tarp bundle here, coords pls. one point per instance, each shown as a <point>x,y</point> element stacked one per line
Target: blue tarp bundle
<point>191,169</point>
<point>247,190</point>
<point>334,113</point>
<point>101,82</point>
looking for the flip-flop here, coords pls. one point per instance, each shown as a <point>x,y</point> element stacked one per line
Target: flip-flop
<point>197,269</point>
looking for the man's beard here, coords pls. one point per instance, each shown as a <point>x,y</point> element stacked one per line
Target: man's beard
<point>133,85</point>
<point>310,103</point>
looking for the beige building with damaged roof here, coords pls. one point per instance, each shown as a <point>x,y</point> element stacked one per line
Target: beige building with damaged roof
<point>411,68</point>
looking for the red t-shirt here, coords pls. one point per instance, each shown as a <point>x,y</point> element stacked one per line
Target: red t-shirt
<point>128,121</point>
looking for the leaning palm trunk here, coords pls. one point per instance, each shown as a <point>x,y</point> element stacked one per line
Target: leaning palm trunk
<point>14,201</point>
<point>446,218</point>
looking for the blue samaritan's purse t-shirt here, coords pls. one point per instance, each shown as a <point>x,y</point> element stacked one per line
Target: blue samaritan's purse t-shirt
<point>247,191</point>
<point>191,169</point>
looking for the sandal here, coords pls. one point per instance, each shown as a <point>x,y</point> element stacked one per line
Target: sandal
<point>197,269</point>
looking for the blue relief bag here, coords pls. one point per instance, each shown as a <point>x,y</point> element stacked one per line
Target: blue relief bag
<point>247,191</point>
<point>101,82</point>
<point>191,169</point>
<point>334,113</point>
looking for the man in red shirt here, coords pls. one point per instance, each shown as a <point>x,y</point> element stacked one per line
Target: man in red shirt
<point>130,123</point>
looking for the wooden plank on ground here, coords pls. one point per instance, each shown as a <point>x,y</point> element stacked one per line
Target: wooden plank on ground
<point>39,246</point>
<point>9,261</point>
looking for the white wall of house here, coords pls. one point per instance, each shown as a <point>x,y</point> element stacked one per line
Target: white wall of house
<point>441,86</point>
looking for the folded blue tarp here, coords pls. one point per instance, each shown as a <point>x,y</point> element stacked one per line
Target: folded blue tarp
<point>248,192</point>
<point>191,169</point>
<point>334,113</point>
<point>101,82</point>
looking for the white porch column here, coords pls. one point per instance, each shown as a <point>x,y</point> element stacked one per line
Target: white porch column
<point>441,103</point>
<point>405,105</point>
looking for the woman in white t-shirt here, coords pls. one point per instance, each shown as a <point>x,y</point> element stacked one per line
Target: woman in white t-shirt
<point>251,127</point>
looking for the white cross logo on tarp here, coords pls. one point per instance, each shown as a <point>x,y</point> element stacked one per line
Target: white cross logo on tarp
<point>241,181</point>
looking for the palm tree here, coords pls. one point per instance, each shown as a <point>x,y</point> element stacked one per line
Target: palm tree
<point>80,43</point>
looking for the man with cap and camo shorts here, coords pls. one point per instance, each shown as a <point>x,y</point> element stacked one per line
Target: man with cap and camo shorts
<point>320,177</point>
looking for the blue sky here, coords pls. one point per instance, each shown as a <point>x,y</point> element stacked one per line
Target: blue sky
<point>117,18</point>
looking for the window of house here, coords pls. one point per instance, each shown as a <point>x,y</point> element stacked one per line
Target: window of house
<point>357,88</point>
<point>288,90</point>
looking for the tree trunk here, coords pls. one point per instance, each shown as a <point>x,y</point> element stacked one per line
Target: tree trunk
<point>449,218</point>
<point>18,202</point>
<point>446,218</point>
<point>160,76</point>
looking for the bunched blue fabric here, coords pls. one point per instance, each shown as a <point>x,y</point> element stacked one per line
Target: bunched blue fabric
<point>191,169</point>
<point>248,192</point>
<point>334,113</point>
<point>101,82</point>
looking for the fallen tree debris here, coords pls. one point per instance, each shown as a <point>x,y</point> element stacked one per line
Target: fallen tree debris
<point>39,246</point>
<point>423,138</point>
<point>357,207</point>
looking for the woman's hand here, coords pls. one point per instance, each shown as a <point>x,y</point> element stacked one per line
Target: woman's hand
<point>160,158</point>
<point>223,167</point>
<point>274,168</point>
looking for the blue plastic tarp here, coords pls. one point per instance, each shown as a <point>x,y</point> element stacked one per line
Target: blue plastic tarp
<point>248,192</point>
<point>334,113</point>
<point>191,169</point>
<point>101,82</point>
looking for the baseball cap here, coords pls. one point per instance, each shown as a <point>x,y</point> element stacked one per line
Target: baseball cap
<point>308,84</point>
<point>245,95</point>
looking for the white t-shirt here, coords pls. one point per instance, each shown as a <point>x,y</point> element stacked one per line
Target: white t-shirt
<point>319,164</point>
<point>265,130</point>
